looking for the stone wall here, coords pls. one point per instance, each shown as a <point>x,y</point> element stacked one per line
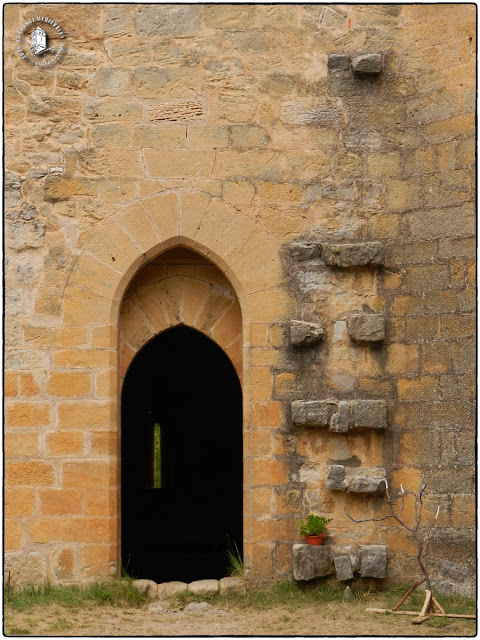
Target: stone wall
<point>338,198</point>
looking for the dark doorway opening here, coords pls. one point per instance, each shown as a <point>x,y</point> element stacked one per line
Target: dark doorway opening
<point>182,459</point>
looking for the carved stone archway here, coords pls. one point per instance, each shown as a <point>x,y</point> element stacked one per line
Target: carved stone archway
<point>249,259</point>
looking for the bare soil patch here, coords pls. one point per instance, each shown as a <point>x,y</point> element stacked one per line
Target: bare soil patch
<point>323,619</point>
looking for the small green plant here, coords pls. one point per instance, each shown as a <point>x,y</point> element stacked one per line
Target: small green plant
<point>313,525</point>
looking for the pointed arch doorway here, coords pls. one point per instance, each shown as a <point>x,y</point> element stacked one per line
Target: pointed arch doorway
<point>181,448</point>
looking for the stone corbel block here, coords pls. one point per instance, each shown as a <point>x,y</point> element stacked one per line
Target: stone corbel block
<point>304,251</point>
<point>354,480</point>
<point>356,254</point>
<point>365,561</point>
<point>311,561</point>
<point>366,327</point>
<point>305,334</point>
<point>367,63</point>
<point>338,62</point>
<point>362,64</point>
<point>311,413</point>
<point>374,561</point>
<point>340,416</point>
<point>343,567</point>
<point>359,414</point>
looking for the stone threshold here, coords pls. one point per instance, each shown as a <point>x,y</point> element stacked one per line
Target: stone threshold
<point>165,590</point>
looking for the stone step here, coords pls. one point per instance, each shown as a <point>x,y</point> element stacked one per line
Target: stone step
<point>166,590</point>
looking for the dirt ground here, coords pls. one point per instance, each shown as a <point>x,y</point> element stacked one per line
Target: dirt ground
<point>328,619</point>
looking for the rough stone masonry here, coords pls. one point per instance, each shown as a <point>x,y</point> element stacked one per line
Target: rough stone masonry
<point>320,161</point>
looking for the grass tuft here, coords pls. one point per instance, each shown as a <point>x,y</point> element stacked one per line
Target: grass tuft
<point>116,593</point>
<point>290,595</point>
<point>234,562</point>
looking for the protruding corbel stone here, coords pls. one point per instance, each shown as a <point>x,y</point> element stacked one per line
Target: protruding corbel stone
<point>311,561</point>
<point>367,63</point>
<point>356,254</point>
<point>374,561</point>
<point>336,477</point>
<point>359,414</point>
<point>343,567</point>
<point>370,414</point>
<point>311,413</point>
<point>343,419</point>
<point>305,334</point>
<point>366,327</point>
<point>304,251</point>
<point>338,62</point>
<point>365,561</point>
<point>340,416</point>
<point>340,478</point>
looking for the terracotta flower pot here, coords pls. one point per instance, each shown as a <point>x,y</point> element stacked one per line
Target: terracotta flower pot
<point>316,540</point>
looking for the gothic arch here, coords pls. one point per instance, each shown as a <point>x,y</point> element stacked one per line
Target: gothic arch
<point>249,259</point>
<point>180,287</point>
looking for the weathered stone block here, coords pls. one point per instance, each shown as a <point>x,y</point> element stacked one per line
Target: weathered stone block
<point>224,16</point>
<point>304,251</point>
<point>310,413</point>
<point>340,416</point>
<point>311,561</point>
<point>368,63</point>
<point>343,419</point>
<point>178,21</point>
<point>203,586</point>
<point>353,255</point>
<point>113,81</point>
<point>231,583</point>
<point>58,188</point>
<point>305,334</point>
<point>366,481</point>
<point>109,111</point>
<point>151,82</point>
<point>146,586</point>
<point>340,478</point>
<point>310,114</point>
<point>25,234</point>
<point>170,163</point>
<point>374,561</point>
<point>366,327</point>
<point>370,414</point>
<point>171,589</point>
<point>343,567</point>
<point>336,477</point>
<point>11,194</point>
<point>338,62</point>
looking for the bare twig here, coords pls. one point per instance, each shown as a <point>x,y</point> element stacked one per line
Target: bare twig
<point>423,542</point>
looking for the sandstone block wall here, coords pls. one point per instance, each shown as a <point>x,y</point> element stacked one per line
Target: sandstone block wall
<point>226,130</point>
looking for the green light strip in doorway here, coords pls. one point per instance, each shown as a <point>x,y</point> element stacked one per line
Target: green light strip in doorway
<point>157,457</point>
